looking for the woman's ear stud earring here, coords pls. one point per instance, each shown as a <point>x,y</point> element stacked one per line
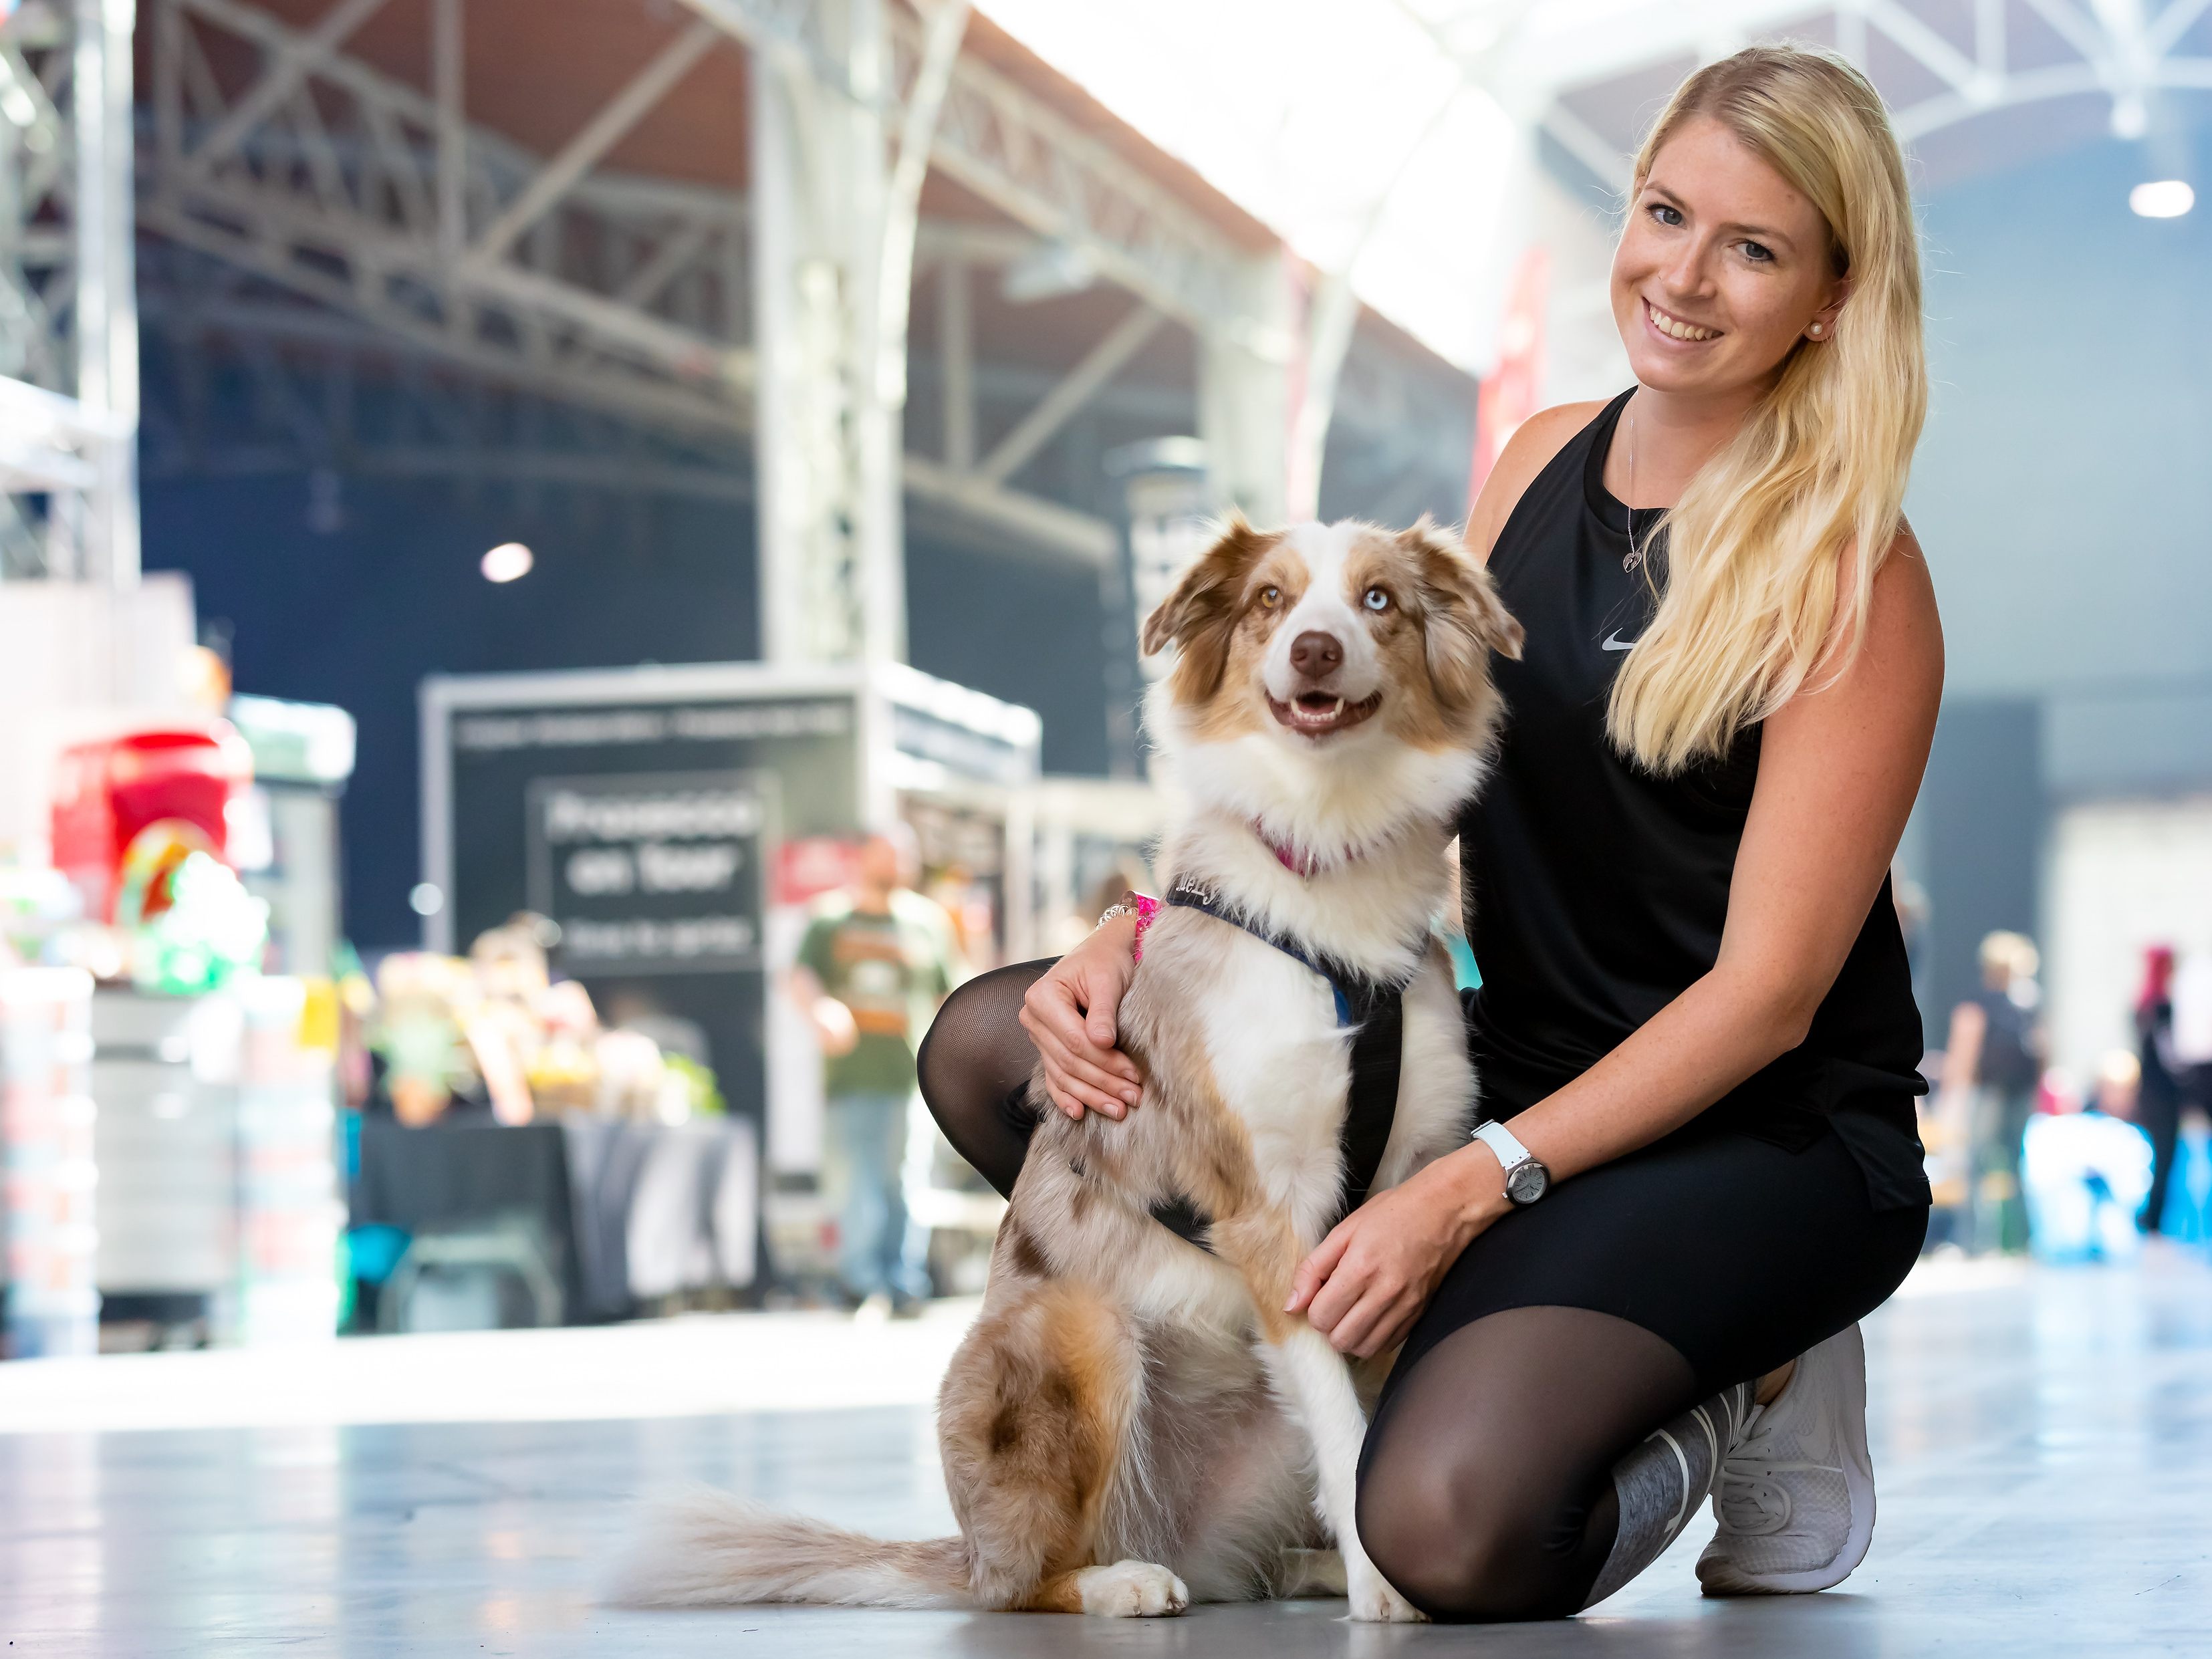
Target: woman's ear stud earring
<point>1816,330</point>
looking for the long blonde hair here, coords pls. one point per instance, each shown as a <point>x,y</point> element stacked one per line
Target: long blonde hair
<point>1773,550</point>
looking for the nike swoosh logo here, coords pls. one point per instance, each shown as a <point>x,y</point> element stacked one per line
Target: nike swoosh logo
<point>1617,643</point>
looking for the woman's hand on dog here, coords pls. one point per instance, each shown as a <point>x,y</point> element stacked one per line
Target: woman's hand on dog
<point>1069,1014</point>
<point>1367,1282</point>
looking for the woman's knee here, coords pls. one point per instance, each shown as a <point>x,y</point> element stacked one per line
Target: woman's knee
<point>1459,1547</point>
<point>973,1065</point>
<point>976,1035</point>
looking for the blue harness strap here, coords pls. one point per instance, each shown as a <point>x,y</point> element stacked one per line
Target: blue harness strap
<point>1375,1011</point>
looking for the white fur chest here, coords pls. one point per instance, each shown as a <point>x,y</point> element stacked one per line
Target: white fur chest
<point>1283,1065</point>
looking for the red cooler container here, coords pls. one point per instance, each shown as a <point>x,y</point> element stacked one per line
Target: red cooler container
<point>109,792</point>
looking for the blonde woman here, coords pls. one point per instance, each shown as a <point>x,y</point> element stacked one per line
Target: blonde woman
<point>1696,1015</point>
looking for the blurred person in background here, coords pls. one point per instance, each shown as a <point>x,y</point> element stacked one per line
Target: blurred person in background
<point>1696,1012</point>
<point>2085,1167</point>
<point>2158,1091</point>
<point>876,960</point>
<point>2191,1029</point>
<point>2118,1090</point>
<point>1992,1063</point>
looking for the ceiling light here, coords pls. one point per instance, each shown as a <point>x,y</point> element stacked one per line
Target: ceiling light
<point>508,561</point>
<point>2162,198</point>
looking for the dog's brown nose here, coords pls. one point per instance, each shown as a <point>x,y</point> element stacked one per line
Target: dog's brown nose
<point>1316,656</point>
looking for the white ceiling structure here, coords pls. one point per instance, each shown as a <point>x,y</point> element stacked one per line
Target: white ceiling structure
<point>1399,137</point>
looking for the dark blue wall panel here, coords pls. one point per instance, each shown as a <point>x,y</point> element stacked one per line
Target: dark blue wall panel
<point>358,617</point>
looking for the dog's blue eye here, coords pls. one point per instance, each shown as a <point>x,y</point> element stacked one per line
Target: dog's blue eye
<point>1378,599</point>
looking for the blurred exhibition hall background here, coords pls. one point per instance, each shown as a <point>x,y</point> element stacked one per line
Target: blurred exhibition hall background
<point>500,496</point>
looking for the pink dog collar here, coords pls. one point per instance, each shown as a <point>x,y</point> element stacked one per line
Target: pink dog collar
<point>1147,908</point>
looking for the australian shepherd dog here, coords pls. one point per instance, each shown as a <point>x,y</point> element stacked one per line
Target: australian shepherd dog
<point>1134,1422</point>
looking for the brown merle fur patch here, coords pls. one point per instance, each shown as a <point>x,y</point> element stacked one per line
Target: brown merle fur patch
<point>1020,1250</point>
<point>1030,1422</point>
<point>1445,620</point>
<point>1206,607</point>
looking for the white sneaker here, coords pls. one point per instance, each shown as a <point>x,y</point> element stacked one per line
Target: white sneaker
<point>1795,1497</point>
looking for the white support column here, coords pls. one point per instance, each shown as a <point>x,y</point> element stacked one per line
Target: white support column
<point>1243,394</point>
<point>106,304</point>
<point>825,242</point>
<point>879,393</point>
<point>818,180</point>
<point>1332,315</point>
<point>861,201</point>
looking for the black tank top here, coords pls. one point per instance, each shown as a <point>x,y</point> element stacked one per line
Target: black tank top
<point>1596,891</point>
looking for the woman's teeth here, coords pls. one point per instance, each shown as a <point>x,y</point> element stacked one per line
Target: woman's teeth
<point>1675,329</point>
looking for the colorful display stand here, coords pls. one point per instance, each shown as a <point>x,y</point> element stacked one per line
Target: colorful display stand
<point>290,1215</point>
<point>46,1119</point>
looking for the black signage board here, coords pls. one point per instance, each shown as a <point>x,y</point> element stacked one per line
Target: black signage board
<point>652,873</point>
<point>646,827</point>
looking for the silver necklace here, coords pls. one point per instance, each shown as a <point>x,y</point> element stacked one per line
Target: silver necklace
<point>1635,555</point>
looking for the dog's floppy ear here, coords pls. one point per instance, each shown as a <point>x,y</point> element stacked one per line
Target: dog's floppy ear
<point>1199,615</point>
<point>1462,619</point>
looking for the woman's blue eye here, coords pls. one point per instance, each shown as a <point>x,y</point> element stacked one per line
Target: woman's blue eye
<point>1378,599</point>
<point>1665,214</point>
<point>1759,253</point>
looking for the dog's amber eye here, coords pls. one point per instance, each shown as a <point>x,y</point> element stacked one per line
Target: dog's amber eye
<point>1378,599</point>
<point>1270,597</point>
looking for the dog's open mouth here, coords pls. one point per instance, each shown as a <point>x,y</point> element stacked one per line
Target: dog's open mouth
<point>1316,714</point>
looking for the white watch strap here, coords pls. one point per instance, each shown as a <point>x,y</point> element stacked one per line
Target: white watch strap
<point>1503,1141</point>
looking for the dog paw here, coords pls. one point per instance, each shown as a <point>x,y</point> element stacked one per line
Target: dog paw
<point>1373,1602</point>
<point>1132,1589</point>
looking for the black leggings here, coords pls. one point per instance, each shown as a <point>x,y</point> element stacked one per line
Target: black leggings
<point>1556,1342</point>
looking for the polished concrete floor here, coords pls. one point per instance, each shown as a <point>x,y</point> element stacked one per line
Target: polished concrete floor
<point>2043,1441</point>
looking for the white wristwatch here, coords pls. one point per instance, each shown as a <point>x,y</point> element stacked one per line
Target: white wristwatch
<point>1526,1179</point>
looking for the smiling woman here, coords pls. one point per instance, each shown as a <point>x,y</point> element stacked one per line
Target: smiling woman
<point>1760,208</point>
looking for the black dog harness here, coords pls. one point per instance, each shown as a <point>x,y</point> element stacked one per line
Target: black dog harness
<point>1376,1012</point>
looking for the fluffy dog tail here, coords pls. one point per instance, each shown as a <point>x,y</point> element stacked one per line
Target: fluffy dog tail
<point>710,1549</point>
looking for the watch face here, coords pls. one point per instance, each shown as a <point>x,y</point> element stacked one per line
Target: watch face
<point>1527,1181</point>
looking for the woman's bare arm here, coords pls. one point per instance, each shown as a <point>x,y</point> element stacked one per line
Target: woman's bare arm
<point>1838,769</point>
